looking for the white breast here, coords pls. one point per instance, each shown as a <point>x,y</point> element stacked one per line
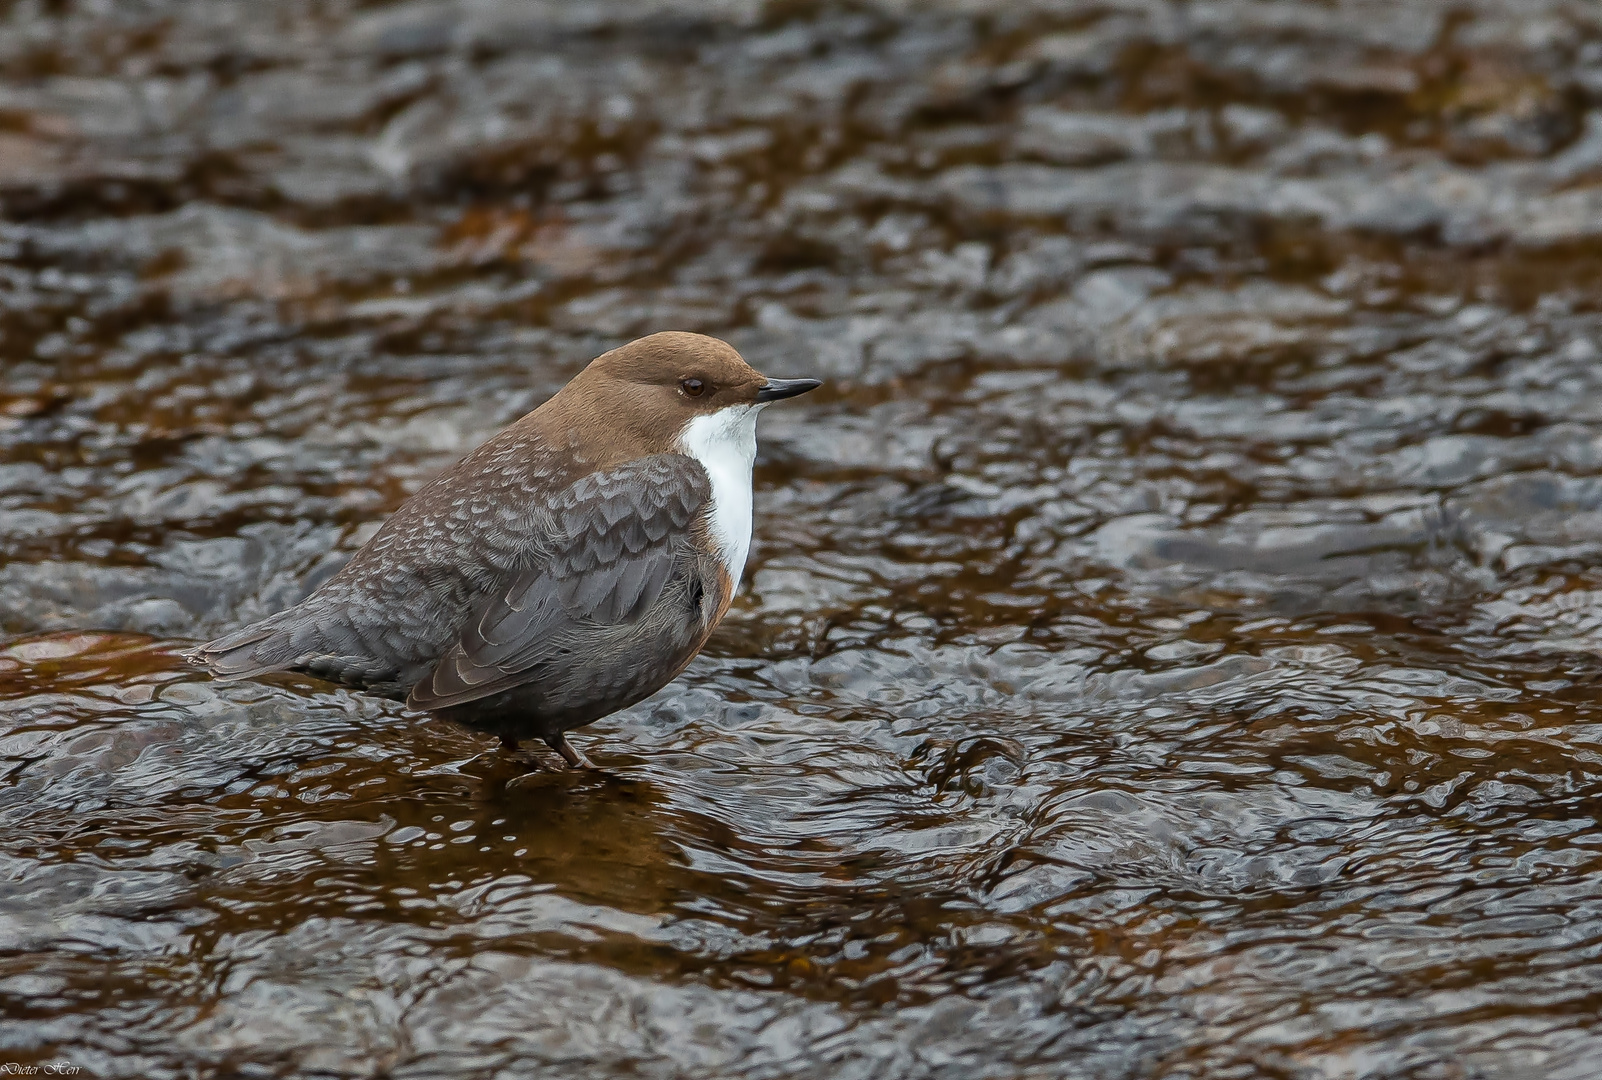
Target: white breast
<point>724,443</point>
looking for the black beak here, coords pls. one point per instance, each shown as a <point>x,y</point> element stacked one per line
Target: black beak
<point>783,388</point>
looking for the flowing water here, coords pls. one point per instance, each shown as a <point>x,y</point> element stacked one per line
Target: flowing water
<point>1170,646</point>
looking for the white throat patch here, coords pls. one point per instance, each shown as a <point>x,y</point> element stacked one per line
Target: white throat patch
<point>724,443</point>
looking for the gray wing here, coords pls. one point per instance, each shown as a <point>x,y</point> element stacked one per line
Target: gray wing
<point>618,536</point>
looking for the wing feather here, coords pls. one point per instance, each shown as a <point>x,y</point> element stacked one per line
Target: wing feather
<point>619,535</point>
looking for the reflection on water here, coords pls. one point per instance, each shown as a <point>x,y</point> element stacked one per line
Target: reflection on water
<point>1171,642</point>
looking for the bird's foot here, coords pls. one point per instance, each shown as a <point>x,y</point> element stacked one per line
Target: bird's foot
<point>574,759</point>
<point>559,743</point>
<point>528,759</point>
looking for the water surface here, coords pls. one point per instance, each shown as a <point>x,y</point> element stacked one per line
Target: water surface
<point>1170,643</point>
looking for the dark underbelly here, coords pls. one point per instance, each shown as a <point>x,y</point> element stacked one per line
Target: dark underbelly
<point>588,689</point>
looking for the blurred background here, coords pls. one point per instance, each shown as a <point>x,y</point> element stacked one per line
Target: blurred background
<point>1170,643</point>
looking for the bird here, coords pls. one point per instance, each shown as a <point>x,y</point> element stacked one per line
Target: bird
<point>569,567</point>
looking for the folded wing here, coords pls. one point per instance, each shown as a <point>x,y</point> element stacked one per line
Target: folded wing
<point>619,534</point>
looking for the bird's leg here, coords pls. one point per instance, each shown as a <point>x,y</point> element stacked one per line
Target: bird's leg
<point>515,752</point>
<point>559,743</point>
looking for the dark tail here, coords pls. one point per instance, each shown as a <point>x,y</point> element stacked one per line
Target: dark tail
<point>317,637</point>
<point>274,644</point>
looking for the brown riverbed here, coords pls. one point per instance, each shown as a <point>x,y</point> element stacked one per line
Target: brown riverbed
<point>1170,646</point>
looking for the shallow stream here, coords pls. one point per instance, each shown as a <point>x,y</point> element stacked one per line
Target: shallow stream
<point>1171,641</point>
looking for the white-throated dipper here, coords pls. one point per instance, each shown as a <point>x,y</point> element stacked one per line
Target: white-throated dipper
<point>567,568</point>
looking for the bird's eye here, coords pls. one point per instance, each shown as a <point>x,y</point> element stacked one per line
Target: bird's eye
<point>692,387</point>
